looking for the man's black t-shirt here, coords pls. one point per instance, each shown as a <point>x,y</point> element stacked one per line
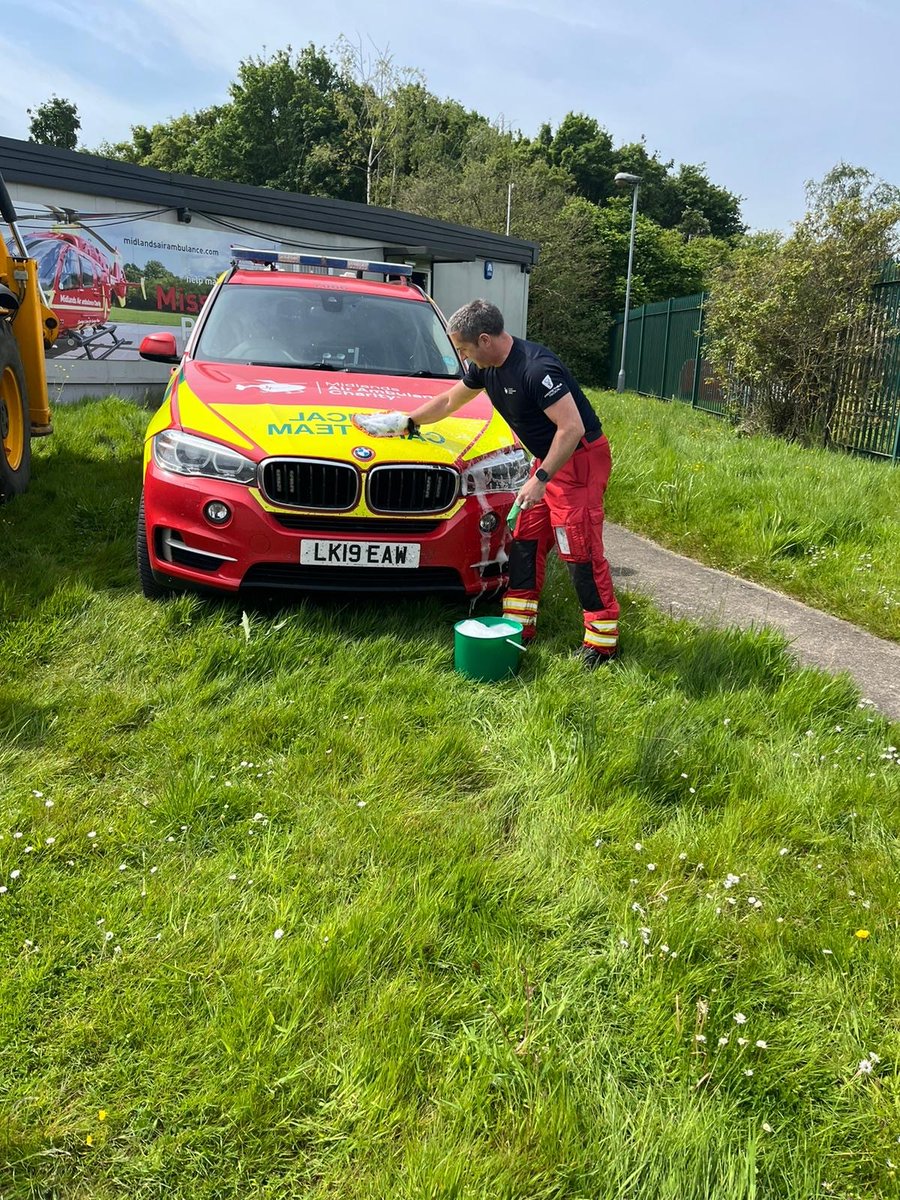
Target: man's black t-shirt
<point>529,381</point>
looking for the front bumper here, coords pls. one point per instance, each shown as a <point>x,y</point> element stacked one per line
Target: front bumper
<point>260,549</point>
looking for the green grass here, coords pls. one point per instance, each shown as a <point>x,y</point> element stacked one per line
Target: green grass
<point>818,525</point>
<point>145,316</point>
<point>507,910</point>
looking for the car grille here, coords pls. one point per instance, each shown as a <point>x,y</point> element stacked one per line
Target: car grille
<point>310,483</point>
<point>370,526</point>
<point>412,489</point>
<point>277,576</point>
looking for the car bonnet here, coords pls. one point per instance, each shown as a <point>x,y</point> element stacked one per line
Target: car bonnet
<point>265,411</point>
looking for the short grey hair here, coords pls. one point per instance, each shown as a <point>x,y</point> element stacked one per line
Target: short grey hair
<point>475,318</point>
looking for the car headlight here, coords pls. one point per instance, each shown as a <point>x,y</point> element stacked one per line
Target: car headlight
<point>187,454</point>
<point>503,472</point>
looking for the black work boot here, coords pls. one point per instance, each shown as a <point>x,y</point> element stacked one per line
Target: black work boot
<point>591,658</point>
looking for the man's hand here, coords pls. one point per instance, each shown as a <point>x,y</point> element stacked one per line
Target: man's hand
<point>389,424</point>
<point>531,493</point>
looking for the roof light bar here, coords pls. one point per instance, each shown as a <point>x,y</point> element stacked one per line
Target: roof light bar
<point>273,258</point>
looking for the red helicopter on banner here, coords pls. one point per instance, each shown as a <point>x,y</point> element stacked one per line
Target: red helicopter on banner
<point>80,282</point>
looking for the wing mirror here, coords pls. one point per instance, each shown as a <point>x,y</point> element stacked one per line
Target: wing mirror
<point>160,347</point>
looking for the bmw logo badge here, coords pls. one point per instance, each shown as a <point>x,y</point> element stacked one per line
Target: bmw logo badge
<point>363,453</point>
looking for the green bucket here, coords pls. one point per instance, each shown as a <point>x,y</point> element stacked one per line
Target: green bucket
<point>487,648</point>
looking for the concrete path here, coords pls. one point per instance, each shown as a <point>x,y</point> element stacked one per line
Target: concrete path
<point>684,588</point>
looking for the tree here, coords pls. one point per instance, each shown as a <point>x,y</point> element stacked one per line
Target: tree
<point>282,128</point>
<point>583,148</point>
<point>693,224</point>
<point>568,306</point>
<point>705,257</point>
<point>427,133</point>
<point>686,201</point>
<point>579,280</point>
<point>181,145</point>
<point>700,202</point>
<point>369,110</point>
<point>563,307</point>
<point>657,201</point>
<point>55,123</point>
<point>475,190</point>
<point>791,317</point>
<point>664,264</point>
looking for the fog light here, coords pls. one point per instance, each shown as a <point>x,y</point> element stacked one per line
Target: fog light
<point>489,522</point>
<point>216,512</point>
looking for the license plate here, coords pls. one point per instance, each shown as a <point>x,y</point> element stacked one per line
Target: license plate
<point>321,553</point>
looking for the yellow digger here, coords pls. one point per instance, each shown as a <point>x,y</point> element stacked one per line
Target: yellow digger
<point>27,326</point>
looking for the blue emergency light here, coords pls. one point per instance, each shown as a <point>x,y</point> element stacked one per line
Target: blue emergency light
<point>284,258</point>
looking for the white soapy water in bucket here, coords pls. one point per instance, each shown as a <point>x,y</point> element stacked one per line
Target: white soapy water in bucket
<point>475,629</point>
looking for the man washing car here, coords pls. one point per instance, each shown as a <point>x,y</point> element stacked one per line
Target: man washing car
<point>562,501</point>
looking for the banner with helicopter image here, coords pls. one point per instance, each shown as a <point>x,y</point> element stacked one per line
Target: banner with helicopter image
<point>113,278</point>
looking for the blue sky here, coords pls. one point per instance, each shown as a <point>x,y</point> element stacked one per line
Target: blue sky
<point>767,94</point>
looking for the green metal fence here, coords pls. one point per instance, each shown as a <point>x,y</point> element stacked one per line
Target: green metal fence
<point>867,413</point>
<point>664,357</point>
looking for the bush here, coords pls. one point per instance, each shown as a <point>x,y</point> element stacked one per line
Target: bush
<point>791,319</point>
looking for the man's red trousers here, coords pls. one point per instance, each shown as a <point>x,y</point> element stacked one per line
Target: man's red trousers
<point>570,517</point>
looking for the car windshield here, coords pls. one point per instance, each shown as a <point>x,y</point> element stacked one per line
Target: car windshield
<point>326,329</point>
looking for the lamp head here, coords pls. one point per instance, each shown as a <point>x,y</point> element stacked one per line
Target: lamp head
<point>623,179</point>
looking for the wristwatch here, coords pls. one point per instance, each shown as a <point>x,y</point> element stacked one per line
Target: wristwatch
<point>541,475</point>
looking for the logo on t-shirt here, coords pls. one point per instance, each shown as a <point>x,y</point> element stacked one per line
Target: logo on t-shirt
<point>509,391</point>
<point>547,381</point>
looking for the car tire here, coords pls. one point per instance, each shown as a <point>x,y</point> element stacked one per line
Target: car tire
<point>149,586</point>
<point>15,421</point>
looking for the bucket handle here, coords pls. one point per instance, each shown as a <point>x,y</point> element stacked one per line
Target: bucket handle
<point>510,642</point>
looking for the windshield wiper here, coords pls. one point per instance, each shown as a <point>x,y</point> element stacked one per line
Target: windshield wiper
<point>356,370</point>
<point>431,375</point>
<point>310,366</point>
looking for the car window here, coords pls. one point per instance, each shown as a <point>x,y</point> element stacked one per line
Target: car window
<point>344,331</point>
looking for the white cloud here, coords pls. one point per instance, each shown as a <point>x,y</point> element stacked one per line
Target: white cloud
<point>220,33</point>
<point>113,25</point>
<point>23,85</point>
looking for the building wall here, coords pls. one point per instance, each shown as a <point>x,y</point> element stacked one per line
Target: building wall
<point>455,284</point>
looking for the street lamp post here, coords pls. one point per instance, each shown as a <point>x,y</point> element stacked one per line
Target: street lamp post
<point>623,179</point>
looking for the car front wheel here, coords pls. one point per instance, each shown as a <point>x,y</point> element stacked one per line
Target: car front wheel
<point>149,586</point>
